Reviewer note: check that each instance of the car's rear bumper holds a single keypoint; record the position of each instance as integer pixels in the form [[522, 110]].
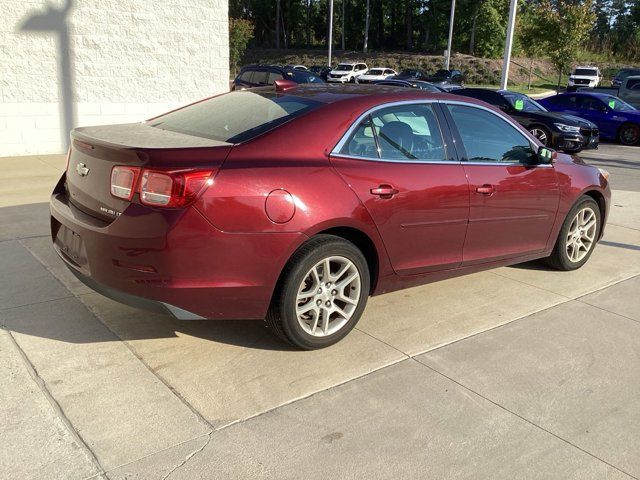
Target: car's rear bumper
[[170, 260]]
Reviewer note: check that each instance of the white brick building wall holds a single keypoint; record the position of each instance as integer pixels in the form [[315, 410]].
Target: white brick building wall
[[128, 60]]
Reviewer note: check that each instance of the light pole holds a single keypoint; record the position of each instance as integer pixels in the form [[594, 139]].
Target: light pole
[[507, 45], [448, 57], [330, 30]]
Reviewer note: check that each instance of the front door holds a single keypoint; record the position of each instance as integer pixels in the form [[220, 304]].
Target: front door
[[397, 163], [514, 199]]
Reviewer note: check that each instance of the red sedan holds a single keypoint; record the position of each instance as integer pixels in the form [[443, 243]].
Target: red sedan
[[294, 204]]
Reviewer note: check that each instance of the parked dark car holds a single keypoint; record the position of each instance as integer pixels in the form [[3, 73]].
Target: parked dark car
[[447, 79], [411, 74], [411, 84], [263, 75], [295, 203], [557, 130], [623, 74], [616, 119], [320, 70]]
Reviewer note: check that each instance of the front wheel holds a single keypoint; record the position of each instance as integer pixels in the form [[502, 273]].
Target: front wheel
[[541, 134], [629, 134], [578, 235], [322, 293]]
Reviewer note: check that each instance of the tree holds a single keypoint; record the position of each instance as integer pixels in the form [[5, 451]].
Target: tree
[[491, 28], [567, 25], [240, 32], [531, 35]]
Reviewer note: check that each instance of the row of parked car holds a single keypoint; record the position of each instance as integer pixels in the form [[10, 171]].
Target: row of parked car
[[261, 75], [570, 122]]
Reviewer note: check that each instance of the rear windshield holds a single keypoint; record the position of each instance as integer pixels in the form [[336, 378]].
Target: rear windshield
[[235, 117]]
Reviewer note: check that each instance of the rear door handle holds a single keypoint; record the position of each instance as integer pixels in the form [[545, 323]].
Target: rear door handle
[[486, 189], [384, 191]]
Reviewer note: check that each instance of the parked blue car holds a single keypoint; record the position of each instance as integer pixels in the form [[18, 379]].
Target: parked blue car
[[616, 119]]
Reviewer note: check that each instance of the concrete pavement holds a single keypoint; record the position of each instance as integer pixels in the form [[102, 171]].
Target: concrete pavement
[[519, 372]]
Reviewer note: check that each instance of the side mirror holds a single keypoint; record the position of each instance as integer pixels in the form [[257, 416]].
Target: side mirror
[[546, 155]]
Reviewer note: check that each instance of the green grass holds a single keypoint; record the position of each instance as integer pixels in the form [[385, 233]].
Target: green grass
[[518, 88]]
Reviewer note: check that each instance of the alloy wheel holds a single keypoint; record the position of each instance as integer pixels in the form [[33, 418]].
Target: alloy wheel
[[328, 296], [540, 134], [581, 235], [630, 135]]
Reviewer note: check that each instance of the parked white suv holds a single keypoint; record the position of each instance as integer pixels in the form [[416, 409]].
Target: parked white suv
[[375, 74], [346, 72], [585, 77]]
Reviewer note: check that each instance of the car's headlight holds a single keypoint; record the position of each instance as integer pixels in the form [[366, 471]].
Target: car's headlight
[[604, 173], [567, 128]]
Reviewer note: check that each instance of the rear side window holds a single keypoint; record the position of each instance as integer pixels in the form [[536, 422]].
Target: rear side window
[[273, 76], [236, 116], [488, 138], [401, 133], [260, 78]]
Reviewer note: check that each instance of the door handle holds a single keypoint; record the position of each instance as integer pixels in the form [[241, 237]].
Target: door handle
[[486, 189], [384, 191]]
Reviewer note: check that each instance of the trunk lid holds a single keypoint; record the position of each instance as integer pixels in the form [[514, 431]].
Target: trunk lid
[[96, 150]]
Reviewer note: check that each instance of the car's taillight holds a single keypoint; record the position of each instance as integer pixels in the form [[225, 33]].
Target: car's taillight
[[174, 188], [123, 181]]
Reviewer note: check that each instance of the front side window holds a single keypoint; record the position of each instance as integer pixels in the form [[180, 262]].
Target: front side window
[[634, 84], [401, 133], [488, 138]]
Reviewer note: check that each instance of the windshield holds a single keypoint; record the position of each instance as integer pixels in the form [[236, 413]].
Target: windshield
[[441, 74], [426, 86], [375, 71], [236, 116], [588, 72], [522, 103], [344, 66], [618, 105], [622, 74], [303, 76]]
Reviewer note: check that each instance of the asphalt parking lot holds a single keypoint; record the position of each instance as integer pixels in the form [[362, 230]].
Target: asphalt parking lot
[[519, 372]]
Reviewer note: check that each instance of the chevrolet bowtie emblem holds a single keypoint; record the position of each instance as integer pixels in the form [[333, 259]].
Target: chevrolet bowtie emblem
[[82, 170]]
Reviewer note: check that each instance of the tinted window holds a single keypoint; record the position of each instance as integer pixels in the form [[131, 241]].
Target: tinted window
[[362, 143], [589, 103], [273, 76], [344, 67], [246, 75], [375, 71], [235, 117], [523, 103], [488, 138], [361, 66], [260, 78], [408, 132], [586, 72], [634, 84]]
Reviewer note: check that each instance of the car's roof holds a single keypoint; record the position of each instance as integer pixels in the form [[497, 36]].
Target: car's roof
[[367, 94]]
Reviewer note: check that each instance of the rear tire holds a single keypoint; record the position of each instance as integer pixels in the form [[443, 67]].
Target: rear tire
[[315, 307], [578, 235], [629, 134]]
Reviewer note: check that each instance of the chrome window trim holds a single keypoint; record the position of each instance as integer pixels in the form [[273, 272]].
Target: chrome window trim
[[371, 159], [517, 126], [347, 135], [356, 124]]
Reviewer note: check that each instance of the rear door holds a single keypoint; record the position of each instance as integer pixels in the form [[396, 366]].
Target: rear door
[[514, 200], [403, 169]]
